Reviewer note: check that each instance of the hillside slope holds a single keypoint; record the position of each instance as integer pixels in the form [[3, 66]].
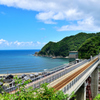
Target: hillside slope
[[62, 48], [90, 47]]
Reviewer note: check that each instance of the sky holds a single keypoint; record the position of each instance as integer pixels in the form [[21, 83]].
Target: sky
[[30, 24]]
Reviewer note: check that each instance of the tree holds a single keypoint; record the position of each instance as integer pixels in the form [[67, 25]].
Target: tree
[[97, 97], [62, 48], [42, 93], [90, 47]]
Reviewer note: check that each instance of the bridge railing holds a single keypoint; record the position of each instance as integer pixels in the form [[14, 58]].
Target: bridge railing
[[57, 75], [69, 85], [63, 66], [10, 89], [63, 72], [94, 57]]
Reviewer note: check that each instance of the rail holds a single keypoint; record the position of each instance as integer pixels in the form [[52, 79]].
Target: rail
[[64, 65], [57, 75], [69, 85]]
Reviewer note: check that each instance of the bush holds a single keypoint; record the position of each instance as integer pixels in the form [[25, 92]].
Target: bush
[[97, 97], [42, 93]]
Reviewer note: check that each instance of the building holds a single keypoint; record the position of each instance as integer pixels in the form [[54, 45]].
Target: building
[[73, 54]]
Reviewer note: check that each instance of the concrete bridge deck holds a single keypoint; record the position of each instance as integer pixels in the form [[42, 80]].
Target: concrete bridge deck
[[75, 79], [61, 82]]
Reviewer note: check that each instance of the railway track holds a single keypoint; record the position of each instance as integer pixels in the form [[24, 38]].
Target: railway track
[[71, 77]]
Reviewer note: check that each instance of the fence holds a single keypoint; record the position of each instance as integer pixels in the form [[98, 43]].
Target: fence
[[69, 85], [55, 76]]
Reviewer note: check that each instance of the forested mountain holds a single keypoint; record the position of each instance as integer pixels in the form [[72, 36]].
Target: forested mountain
[[90, 47], [62, 48]]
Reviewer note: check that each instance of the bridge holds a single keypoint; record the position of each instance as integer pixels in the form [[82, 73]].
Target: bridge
[[78, 80], [82, 78]]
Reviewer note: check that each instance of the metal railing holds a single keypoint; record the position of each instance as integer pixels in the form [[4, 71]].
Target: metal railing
[[69, 85], [64, 71], [63, 66]]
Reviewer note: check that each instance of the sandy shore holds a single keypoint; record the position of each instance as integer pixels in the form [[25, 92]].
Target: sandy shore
[[18, 74]]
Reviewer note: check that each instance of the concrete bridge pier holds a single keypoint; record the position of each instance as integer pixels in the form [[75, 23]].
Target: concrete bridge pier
[[94, 82], [81, 93]]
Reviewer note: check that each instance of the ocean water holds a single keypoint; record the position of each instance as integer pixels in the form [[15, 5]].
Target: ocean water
[[23, 61]]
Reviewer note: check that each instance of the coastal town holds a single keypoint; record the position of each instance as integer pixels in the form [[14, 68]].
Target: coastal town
[[49, 49]]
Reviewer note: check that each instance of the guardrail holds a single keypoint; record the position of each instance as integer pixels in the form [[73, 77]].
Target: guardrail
[[58, 75], [62, 66], [69, 85], [11, 89]]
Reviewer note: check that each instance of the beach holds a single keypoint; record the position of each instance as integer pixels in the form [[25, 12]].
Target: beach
[[18, 74]]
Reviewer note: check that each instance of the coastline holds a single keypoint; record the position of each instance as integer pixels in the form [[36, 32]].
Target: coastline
[[18, 74], [18, 62], [51, 56]]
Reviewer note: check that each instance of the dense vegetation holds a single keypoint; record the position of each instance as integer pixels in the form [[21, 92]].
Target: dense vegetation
[[62, 48], [97, 97], [90, 47], [43, 93]]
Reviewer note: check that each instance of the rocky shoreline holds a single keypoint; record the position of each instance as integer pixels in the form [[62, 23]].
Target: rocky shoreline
[[51, 56]]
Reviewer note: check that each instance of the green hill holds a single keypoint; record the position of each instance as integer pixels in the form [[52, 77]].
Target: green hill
[[90, 47], [62, 48]]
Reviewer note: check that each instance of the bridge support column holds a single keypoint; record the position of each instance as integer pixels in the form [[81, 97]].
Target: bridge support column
[[94, 83], [81, 93]]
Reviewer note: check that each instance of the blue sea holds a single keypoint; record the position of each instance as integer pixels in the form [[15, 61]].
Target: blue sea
[[23, 61]]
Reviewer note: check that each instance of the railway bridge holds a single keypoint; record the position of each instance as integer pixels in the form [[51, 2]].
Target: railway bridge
[[81, 77], [82, 80]]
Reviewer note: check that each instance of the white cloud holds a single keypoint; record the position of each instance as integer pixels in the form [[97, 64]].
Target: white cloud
[[5, 42], [37, 5], [42, 29], [84, 25], [50, 11], [20, 44], [3, 13], [46, 17], [38, 42], [2, 40], [23, 43]]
